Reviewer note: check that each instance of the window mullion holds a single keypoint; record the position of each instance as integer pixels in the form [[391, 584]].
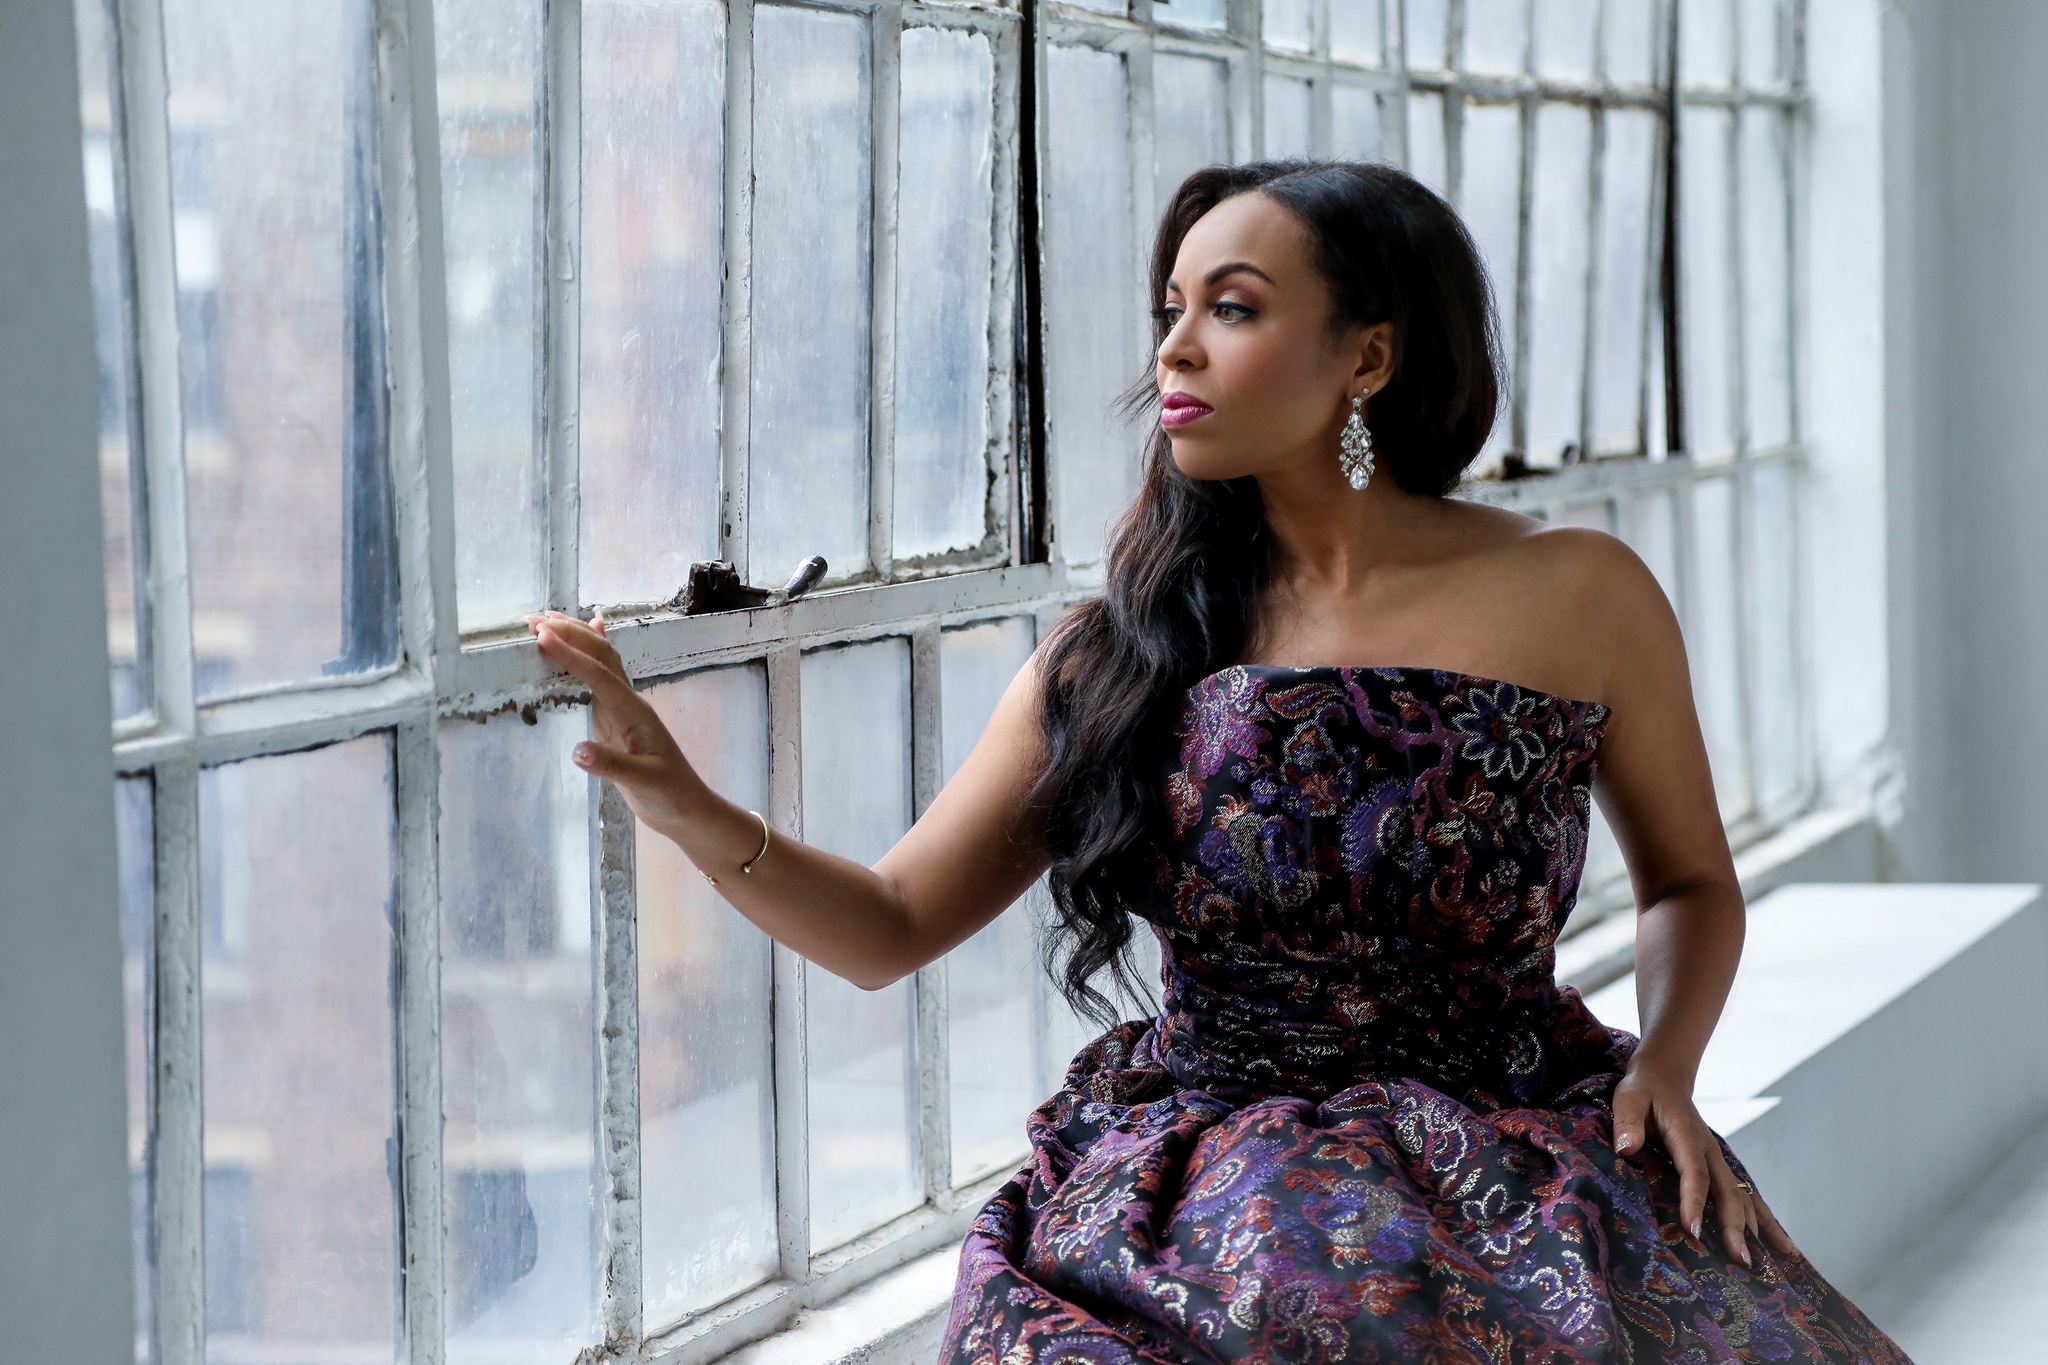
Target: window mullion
[[934, 1063], [561, 307], [146, 142], [419, 1038], [885, 87], [736, 343], [179, 1174], [617, 971], [792, 1062]]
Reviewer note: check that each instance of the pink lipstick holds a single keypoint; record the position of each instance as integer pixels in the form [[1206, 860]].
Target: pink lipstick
[[1179, 409]]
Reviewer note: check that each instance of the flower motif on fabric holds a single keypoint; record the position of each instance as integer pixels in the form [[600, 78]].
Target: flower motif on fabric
[[1500, 729]]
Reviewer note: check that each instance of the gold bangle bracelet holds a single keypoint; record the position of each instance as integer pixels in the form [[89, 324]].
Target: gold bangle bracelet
[[748, 865]]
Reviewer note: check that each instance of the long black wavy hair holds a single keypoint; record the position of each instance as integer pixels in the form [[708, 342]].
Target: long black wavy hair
[[1190, 560]]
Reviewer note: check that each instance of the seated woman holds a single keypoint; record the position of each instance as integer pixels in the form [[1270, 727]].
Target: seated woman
[[1331, 736]]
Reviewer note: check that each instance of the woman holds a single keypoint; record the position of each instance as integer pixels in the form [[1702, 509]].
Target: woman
[[1332, 735]]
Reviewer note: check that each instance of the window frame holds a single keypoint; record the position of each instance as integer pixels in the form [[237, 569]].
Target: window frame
[[442, 673]]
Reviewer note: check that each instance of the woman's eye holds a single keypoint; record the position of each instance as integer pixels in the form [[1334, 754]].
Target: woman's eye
[[1232, 312], [1167, 316]]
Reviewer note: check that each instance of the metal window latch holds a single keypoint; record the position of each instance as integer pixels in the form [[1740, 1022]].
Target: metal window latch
[[715, 586]]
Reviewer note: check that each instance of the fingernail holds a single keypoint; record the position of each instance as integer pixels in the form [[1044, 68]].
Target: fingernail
[[1696, 1229], [583, 754], [1743, 1254]]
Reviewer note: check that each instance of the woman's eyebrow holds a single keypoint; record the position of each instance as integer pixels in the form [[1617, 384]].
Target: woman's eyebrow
[[1229, 268]]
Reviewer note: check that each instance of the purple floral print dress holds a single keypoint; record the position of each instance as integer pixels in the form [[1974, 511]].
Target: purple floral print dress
[[1367, 1124]]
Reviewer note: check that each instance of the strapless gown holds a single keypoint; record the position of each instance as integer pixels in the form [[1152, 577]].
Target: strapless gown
[[1367, 1124]]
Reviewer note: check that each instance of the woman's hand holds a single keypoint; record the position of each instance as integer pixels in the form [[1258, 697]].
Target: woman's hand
[[628, 745], [1650, 1100]]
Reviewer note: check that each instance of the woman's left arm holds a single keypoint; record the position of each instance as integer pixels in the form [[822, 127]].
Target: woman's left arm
[[1658, 795]]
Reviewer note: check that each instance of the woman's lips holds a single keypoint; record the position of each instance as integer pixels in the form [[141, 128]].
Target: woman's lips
[[1179, 409]]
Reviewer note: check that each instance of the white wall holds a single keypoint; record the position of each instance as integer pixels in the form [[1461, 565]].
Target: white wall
[[64, 1260]]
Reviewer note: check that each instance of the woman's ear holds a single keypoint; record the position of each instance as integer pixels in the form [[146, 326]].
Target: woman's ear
[[1375, 355]]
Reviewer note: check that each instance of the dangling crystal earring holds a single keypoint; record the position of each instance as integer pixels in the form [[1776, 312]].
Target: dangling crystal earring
[[1355, 446]]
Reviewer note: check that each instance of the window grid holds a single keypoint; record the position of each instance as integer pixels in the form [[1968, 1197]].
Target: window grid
[[439, 677]]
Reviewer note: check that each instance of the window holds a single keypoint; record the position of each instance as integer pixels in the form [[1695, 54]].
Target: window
[[429, 1044]]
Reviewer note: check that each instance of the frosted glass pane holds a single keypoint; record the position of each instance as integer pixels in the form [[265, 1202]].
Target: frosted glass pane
[[1093, 296], [1706, 42], [1709, 388], [1557, 279], [1490, 200], [1656, 421], [707, 1075], [1764, 42], [1632, 30], [1621, 290], [1766, 279], [863, 1066], [1426, 142], [1594, 516], [653, 269], [1355, 31], [518, 1051], [1648, 525], [297, 982], [1711, 640], [1200, 14], [487, 78], [1190, 120], [1426, 34], [992, 978], [807, 486], [134, 842], [944, 233], [1354, 123], [280, 339], [1287, 24], [1604, 862], [1287, 116], [1496, 36], [121, 510], [1565, 37], [1774, 595], [1102, 6]]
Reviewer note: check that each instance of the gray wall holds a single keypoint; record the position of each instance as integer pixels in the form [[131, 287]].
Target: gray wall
[[64, 1259]]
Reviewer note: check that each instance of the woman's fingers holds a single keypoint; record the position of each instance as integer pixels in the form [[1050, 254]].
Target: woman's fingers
[[600, 667], [1731, 1208], [1631, 1114], [1694, 1181], [616, 765]]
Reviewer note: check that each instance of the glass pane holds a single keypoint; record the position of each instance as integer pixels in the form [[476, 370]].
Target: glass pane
[[1766, 279], [273, 187], [1565, 37], [991, 979], [1092, 295], [123, 528], [1496, 35], [1604, 862], [649, 410], [1709, 340], [518, 1055], [296, 988], [1491, 202], [863, 1081], [1102, 6], [1764, 42], [944, 228], [1647, 525], [1712, 641], [1706, 42], [1426, 142], [1202, 14], [1774, 591], [1621, 291], [707, 1073], [1631, 42], [135, 862], [1354, 123], [1557, 279], [807, 484], [1288, 107], [1355, 31], [487, 77], [1595, 516], [1190, 120], [1425, 34], [1286, 24]]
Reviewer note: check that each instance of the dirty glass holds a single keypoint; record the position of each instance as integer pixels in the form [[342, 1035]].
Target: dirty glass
[[1355, 31], [707, 1073], [280, 340], [1558, 252], [1631, 40], [487, 90], [296, 998], [1766, 279], [1190, 120], [991, 978], [1354, 123], [1565, 34], [945, 246], [1426, 142], [1198, 14], [135, 869], [863, 1062], [653, 273], [1496, 36], [1706, 42], [1622, 280], [807, 482], [1288, 106], [1490, 199], [1426, 34], [1712, 632], [1765, 42], [1709, 339], [1288, 24], [1774, 663], [1093, 297], [518, 1052]]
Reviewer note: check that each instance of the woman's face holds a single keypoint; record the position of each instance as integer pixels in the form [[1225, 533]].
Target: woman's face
[[1251, 378]]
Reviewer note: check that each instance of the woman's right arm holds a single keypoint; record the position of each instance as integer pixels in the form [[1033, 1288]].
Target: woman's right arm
[[971, 854]]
